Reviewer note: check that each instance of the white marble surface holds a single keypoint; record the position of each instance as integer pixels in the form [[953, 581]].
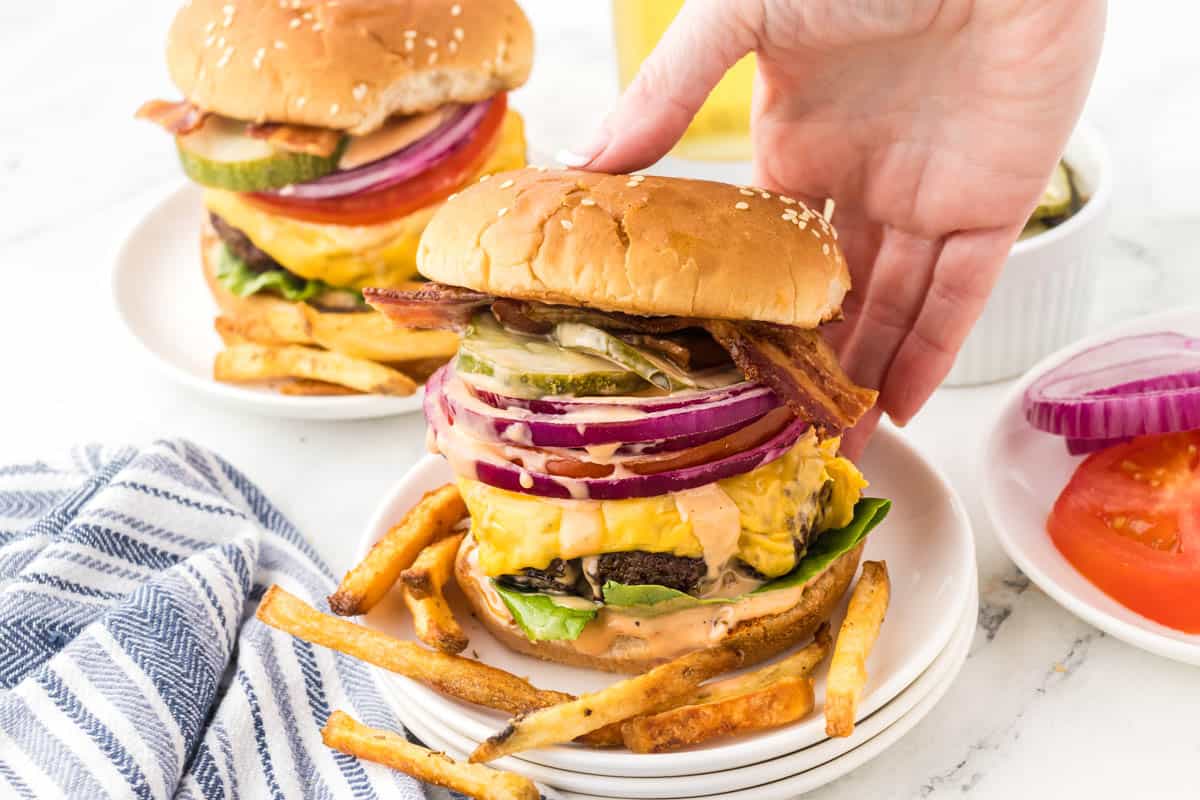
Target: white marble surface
[[1046, 706]]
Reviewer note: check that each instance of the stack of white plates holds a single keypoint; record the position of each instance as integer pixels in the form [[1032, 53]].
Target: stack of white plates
[[927, 544]]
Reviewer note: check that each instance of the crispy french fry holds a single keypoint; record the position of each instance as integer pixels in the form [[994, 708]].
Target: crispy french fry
[[779, 702], [798, 665], [660, 686], [455, 676], [241, 363], [342, 732], [372, 336], [432, 518], [422, 591], [300, 387], [848, 669], [255, 330]]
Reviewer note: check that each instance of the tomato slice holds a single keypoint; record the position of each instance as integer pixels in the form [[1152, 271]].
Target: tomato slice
[[1129, 520], [431, 186]]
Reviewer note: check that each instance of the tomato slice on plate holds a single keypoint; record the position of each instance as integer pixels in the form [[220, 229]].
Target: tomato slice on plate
[[431, 186], [1129, 520]]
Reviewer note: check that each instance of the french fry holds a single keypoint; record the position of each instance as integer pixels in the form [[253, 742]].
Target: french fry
[[455, 676], [661, 686], [300, 387], [848, 669], [255, 330], [373, 336], [779, 702], [240, 363], [432, 518], [345, 734], [422, 591], [798, 665]]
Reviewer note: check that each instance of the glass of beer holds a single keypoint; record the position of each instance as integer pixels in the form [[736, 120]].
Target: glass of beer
[[721, 130]]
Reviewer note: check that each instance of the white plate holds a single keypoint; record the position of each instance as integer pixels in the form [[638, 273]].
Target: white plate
[[926, 541], [161, 296], [944, 668], [1022, 472]]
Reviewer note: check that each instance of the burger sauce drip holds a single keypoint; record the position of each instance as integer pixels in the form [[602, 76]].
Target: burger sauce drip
[[716, 524]]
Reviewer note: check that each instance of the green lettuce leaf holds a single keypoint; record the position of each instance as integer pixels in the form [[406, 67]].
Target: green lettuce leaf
[[868, 513], [237, 276], [541, 618]]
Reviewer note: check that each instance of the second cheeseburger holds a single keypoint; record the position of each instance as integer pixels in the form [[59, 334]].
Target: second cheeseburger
[[642, 417]]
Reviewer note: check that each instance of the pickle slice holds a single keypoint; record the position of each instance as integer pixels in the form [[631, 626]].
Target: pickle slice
[[577, 336], [221, 155], [1056, 199], [532, 367]]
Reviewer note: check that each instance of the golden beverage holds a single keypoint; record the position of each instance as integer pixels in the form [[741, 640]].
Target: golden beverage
[[721, 130]]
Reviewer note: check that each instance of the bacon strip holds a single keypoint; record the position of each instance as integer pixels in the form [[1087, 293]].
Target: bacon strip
[[321, 142], [531, 317], [800, 367], [179, 118], [429, 305]]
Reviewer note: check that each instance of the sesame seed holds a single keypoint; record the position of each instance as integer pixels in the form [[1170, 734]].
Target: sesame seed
[[632, 184], [567, 224], [741, 205], [335, 108], [208, 42], [587, 201], [280, 44], [300, 101], [307, 16], [829, 206], [209, 27], [408, 44], [433, 57], [220, 41], [295, 23], [359, 91], [452, 195], [455, 10], [506, 184], [746, 192], [502, 212], [483, 178], [766, 195], [410, 34], [816, 233], [787, 201], [458, 34], [288, 190], [228, 54], [430, 41], [229, 9], [317, 27], [787, 216], [259, 55], [825, 248], [833, 230]]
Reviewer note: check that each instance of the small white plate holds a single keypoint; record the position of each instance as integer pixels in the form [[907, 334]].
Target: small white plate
[[1022, 472], [943, 670], [926, 541], [161, 296]]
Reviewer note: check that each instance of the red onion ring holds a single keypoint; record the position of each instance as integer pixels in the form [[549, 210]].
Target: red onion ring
[[1132, 386], [577, 430], [564, 405], [401, 165]]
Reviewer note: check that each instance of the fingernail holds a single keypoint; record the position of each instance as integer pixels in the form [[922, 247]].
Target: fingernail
[[582, 156]]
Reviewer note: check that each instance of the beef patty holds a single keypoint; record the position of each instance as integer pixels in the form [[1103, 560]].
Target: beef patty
[[240, 245]]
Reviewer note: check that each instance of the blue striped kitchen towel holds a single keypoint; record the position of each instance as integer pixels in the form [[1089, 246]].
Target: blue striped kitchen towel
[[131, 665]]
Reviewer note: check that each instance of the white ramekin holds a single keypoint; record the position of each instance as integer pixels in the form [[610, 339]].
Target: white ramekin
[[1043, 298]]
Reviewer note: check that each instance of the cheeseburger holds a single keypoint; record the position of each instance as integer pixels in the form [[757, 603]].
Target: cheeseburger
[[325, 134], [642, 417]]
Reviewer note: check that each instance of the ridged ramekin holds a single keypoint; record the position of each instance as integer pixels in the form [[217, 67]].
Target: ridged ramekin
[[1043, 299]]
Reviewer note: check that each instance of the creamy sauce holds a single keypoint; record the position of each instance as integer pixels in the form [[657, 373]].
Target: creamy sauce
[[602, 453], [662, 637], [581, 530], [716, 524]]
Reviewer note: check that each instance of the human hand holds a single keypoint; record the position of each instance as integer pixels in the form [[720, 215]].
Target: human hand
[[934, 125]]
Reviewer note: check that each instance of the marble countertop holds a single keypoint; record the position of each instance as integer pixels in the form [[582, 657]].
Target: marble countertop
[[1046, 705]]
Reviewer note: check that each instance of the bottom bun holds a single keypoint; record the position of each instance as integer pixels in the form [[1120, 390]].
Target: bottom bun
[[270, 319], [758, 638]]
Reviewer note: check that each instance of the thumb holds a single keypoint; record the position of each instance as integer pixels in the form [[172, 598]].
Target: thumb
[[706, 38]]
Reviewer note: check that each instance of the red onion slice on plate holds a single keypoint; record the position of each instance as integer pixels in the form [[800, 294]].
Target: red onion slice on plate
[[1128, 387]]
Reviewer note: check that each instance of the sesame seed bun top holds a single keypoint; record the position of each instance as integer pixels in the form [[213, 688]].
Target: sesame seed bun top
[[345, 64], [643, 245]]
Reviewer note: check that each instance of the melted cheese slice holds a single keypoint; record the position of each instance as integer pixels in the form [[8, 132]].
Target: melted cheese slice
[[517, 530], [353, 256]]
